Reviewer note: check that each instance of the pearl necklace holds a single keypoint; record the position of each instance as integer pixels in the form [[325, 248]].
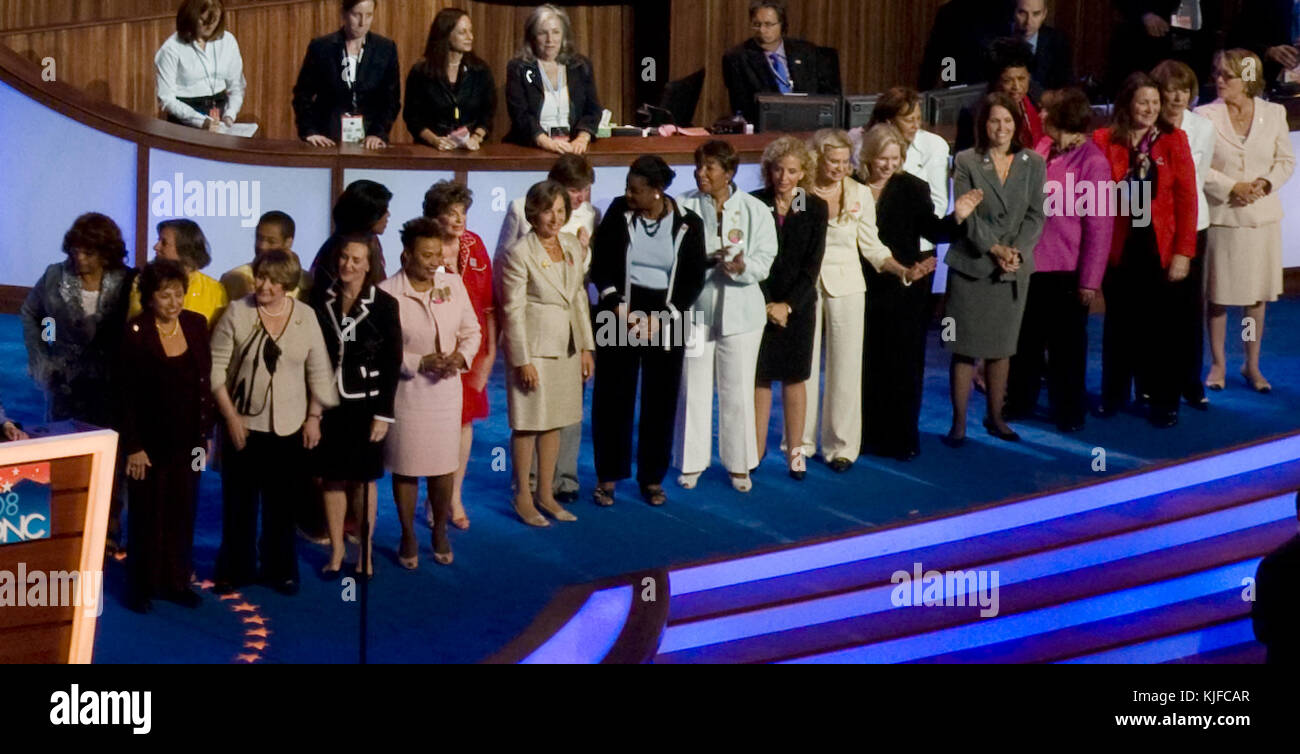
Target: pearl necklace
[[175, 329], [284, 304]]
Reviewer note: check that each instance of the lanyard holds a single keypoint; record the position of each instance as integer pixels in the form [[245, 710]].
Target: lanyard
[[203, 62], [352, 72]]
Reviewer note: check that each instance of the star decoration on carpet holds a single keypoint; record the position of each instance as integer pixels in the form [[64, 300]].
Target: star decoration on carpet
[[258, 645], [244, 607], [259, 620], [248, 658], [262, 632]]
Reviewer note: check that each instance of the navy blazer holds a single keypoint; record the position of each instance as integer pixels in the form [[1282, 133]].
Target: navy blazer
[[746, 73], [141, 381], [364, 345], [1053, 63], [321, 98], [793, 277], [434, 103], [524, 94]]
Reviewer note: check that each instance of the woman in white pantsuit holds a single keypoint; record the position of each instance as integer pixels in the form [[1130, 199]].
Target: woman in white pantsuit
[[729, 316], [1252, 159], [841, 301]]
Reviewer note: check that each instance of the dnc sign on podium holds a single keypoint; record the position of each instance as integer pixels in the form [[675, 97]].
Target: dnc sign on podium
[[24, 503]]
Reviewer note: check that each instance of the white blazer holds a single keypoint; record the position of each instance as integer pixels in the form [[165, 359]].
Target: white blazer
[[1266, 153], [1201, 137], [734, 304]]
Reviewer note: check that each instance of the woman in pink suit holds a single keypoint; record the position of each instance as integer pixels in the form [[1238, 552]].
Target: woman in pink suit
[[440, 336]]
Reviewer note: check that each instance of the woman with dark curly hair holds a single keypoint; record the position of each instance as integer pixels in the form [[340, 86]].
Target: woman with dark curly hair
[[166, 410], [463, 253], [73, 320]]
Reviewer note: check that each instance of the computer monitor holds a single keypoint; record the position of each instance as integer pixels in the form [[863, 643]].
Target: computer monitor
[[798, 112], [681, 97], [857, 109], [943, 106]]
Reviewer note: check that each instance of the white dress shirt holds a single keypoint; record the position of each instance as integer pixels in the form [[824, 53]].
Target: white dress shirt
[[927, 159], [1200, 134], [183, 70]]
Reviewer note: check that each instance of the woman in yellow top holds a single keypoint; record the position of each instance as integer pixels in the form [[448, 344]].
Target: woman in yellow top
[[183, 241]]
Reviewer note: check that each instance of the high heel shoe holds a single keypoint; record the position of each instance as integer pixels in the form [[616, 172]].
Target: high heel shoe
[[555, 510], [1260, 386], [529, 515], [441, 556], [409, 562], [992, 429], [798, 464]]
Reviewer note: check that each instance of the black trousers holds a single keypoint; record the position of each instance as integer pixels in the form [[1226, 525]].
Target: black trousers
[[269, 470], [893, 365], [613, 400], [1053, 343], [1139, 342], [1189, 298], [161, 527]]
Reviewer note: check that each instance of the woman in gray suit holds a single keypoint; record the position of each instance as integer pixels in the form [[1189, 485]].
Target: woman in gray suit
[[989, 268], [549, 344]]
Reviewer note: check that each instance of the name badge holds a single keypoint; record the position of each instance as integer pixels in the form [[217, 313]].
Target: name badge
[[1181, 22], [354, 129]]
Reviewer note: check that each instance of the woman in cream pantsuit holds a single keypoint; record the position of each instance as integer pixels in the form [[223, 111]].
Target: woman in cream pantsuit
[[1252, 159], [842, 301], [549, 345], [730, 314]]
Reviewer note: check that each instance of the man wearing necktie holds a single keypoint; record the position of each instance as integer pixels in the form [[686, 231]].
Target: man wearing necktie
[[771, 62]]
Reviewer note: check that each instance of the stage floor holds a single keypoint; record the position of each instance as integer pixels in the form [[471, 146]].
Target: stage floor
[[505, 572]]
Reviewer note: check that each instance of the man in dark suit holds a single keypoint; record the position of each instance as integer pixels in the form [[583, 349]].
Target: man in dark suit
[[962, 30], [1053, 67], [771, 62], [1276, 611], [1271, 30], [1156, 30]]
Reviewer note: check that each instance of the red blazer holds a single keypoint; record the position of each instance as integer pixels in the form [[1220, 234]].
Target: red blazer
[[1173, 210]]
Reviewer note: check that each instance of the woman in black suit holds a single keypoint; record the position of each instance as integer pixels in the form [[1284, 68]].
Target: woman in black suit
[[898, 307], [450, 94], [550, 89], [351, 72], [363, 335], [165, 406], [790, 289]]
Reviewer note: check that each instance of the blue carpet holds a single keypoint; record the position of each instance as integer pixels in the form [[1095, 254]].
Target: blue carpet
[[505, 572]]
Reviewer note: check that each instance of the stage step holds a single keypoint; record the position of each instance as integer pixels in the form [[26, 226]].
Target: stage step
[[1144, 579]]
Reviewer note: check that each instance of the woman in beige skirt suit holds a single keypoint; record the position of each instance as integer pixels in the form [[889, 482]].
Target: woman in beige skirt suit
[[1252, 159], [549, 344]]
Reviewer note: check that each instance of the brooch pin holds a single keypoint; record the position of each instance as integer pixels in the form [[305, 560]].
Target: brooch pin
[[736, 235]]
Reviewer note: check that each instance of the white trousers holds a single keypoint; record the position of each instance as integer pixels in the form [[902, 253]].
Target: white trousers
[[734, 360], [841, 325]]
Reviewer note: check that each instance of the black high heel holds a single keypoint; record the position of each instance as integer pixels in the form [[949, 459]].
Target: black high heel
[[992, 429]]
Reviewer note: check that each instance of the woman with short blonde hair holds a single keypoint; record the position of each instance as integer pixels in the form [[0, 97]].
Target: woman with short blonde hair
[[1252, 159]]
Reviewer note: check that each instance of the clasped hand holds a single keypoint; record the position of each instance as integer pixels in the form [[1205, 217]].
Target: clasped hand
[[1008, 258], [442, 365], [1246, 193]]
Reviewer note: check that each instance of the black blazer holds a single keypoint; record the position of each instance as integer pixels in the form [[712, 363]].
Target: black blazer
[[746, 73], [905, 215], [321, 98], [432, 102], [1053, 64], [1259, 25], [365, 346], [801, 246], [1275, 615], [962, 30], [524, 91], [609, 257], [140, 381]]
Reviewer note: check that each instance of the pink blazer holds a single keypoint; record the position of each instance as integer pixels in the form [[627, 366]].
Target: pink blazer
[[446, 326]]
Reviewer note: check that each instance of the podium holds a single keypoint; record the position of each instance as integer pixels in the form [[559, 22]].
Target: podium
[[55, 491]]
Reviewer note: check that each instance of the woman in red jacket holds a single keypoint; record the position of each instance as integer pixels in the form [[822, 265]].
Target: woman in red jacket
[[1152, 247]]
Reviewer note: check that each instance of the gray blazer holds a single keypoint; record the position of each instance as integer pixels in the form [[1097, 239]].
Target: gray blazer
[[1011, 214]]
